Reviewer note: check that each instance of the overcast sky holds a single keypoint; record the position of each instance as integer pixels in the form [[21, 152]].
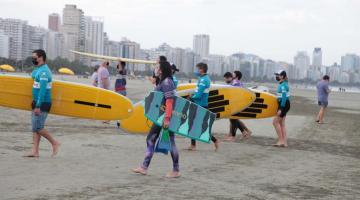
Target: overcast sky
[[274, 29]]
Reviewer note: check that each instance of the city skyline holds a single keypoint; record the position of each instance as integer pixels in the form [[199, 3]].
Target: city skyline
[[134, 21], [77, 29]]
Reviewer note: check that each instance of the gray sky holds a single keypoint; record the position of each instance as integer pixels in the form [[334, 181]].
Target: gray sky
[[273, 29]]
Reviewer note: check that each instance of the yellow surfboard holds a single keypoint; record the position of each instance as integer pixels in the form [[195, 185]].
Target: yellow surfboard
[[137, 122], [68, 99], [264, 106], [223, 101]]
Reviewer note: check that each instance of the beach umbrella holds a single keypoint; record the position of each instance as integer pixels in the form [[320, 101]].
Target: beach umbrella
[[67, 71], [7, 68]]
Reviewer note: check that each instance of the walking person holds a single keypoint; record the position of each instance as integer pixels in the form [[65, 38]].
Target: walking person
[[323, 92], [234, 80], [41, 104], [283, 97], [167, 86], [201, 95]]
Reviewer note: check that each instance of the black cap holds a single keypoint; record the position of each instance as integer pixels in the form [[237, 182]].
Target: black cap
[[173, 67], [281, 73]]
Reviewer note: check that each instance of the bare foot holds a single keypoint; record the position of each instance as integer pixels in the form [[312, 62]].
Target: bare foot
[[139, 170], [55, 148], [32, 155], [248, 133], [173, 174], [216, 145], [191, 148], [229, 138], [243, 135]]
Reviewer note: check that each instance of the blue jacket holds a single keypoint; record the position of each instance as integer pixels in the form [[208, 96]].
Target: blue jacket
[[201, 94], [176, 82], [283, 93], [41, 91]]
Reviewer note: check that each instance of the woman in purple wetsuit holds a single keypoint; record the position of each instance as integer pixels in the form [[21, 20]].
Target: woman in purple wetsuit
[[167, 86]]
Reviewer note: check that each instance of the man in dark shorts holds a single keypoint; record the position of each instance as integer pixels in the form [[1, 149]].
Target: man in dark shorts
[[323, 91]]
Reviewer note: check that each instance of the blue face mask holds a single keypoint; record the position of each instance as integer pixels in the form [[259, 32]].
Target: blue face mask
[[197, 73]]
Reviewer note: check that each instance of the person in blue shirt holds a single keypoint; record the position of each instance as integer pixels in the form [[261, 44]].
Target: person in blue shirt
[[41, 104], [201, 95], [283, 97], [323, 91], [174, 69]]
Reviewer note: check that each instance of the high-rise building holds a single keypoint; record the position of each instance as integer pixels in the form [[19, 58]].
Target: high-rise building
[[317, 58], [201, 45], [4, 45], [54, 22], [94, 35], [131, 50], [54, 45], [37, 38], [270, 69], [177, 56], [73, 29], [215, 64], [302, 63], [189, 62], [18, 32], [350, 62]]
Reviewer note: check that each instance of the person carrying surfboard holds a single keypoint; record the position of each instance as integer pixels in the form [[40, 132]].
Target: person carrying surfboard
[[174, 69], [283, 97], [155, 79], [41, 104], [234, 80], [120, 82], [201, 95], [167, 86]]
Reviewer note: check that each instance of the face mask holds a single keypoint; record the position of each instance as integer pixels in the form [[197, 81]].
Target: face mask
[[34, 61], [228, 82], [197, 73], [277, 78]]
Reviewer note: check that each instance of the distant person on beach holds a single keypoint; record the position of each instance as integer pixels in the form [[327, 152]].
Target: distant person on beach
[[283, 97], [104, 79], [104, 76], [323, 91], [41, 104], [234, 80], [120, 83], [94, 77], [167, 86], [174, 69], [201, 95]]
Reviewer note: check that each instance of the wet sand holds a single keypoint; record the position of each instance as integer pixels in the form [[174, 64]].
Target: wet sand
[[94, 161]]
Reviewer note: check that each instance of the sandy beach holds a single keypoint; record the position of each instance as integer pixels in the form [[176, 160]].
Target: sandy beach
[[94, 162]]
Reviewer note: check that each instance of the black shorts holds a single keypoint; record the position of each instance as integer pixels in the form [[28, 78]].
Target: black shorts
[[285, 109]]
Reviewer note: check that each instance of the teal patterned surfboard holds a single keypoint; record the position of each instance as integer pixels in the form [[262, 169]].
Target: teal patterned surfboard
[[187, 119]]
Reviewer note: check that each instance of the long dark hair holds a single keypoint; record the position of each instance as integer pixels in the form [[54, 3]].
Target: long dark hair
[[166, 72]]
